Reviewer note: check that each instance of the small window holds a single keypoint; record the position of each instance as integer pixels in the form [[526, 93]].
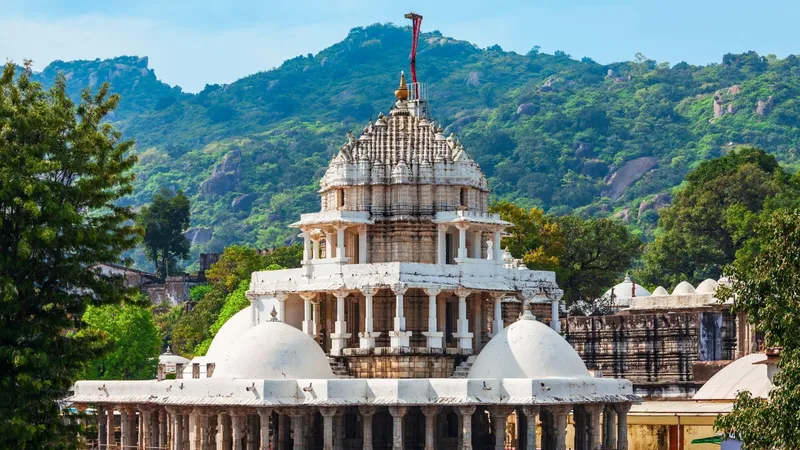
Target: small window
[[464, 196], [340, 198]]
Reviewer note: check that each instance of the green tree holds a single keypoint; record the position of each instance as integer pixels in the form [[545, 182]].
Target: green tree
[[163, 222], [63, 168], [765, 288], [535, 236], [712, 217], [135, 338], [596, 253]]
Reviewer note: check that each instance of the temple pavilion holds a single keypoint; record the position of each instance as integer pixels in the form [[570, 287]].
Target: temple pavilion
[[407, 327]]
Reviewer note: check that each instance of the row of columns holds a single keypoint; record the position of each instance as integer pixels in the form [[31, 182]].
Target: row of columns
[[228, 429], [311, 244], [494, 251]]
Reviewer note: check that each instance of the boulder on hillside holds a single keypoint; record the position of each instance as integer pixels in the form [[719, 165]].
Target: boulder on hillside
[[243, 202], [525, 109], [583, 150], [624, 215], [764, 107], [225, 175], [198, 235], [656, 203], [628, 174], [472, 79], [460, 122]]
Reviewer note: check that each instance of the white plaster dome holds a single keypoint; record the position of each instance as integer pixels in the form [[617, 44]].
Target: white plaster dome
[[274, 351], [708, 286], [683, 288], [228, 334], [528, 349], [748, 373], [626, 289]]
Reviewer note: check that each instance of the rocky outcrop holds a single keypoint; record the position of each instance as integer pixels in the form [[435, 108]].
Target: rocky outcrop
[[225, 175], [583, 150], [243, 202], [550, 83], [764, 107], [656, 203], [460, 122], [594, 168], [624, 215], [472, 79], [723, 99], [525, 109], [198, 235], [627, 175]]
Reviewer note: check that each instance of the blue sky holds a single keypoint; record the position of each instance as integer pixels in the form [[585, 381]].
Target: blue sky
[[191, 43]]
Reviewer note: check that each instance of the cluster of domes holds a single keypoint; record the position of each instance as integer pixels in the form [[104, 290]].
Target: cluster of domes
[[708, 286]]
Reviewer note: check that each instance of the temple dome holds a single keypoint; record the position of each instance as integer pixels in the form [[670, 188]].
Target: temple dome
[[748, 373], [708, 286], [626, 288], [272, 351], [231, 331], [660, 292], [528, 349], [683, 288]]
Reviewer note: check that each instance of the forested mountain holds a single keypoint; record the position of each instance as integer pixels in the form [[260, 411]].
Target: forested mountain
[[548, 130]]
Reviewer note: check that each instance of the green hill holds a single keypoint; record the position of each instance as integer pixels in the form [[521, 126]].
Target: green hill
[[548, 130]]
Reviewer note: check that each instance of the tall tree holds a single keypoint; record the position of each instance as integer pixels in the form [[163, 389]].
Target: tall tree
[[711, 217], [765, 288], [136, 342], [163, 222], [62, 169], [535, 236]]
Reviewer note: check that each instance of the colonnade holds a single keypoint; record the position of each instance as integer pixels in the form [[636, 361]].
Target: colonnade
[[312, 428]]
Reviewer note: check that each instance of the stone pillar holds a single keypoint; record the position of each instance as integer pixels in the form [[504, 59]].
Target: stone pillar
[[462, 325], [610, 425], [399, 337], [362, 244], [162, 428], [314, 247], [367, 412], [434, 336], [338, 430], [205, 429], [340, 335], [223, 433], [367, 337], [282, 429], [102, 434], [306, 246], [187, 430], [397, 413], [593, 411], [560, 414], [237, 428], [327, 427], [498, 251], [430, 413], [125, 426], [499, 418], [111, 437], [281, 298], [264, 415], [530, 426], [329, 249], [252, 428], [340, 242], [622, 427], [475, 243], [465, 414], [308, 322], [555, 322], [497, 323], [462, 240], [441, 243], [297, 429]]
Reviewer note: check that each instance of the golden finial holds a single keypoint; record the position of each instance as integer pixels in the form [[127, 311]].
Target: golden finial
[[402, 92]]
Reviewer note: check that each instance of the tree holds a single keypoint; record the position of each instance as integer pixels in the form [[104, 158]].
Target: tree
[[135, 338], [765, 288], [63, 168], [535, 236], [596, 253], [163, 222], [712, 217]]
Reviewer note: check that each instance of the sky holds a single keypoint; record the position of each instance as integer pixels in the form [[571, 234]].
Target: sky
[[199, 42]]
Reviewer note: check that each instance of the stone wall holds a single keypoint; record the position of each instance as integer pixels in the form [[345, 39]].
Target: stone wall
[[387, 362]]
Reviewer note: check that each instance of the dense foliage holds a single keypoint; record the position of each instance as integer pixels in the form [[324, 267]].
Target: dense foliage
[[765, 288], [163, 221], [588, 255], [135, 339], [712, 217], [228, 280], [62, 170], [549, 131]]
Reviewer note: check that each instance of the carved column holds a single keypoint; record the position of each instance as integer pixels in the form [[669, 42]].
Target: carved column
[[340, 335], [362, 244], [102, 434], [308, 321], [125, 425], [610, 423], [593, 411], [329, 248], [367, 337], [237, 427], [223, 431], [462, 241], [434, 336], [298, 420], [441, 243], [264, 415], [111, 438], [530, 424], [430, 413], [306, 246], [367, 413], [476, 245], [327, 427], [462, 324], [465, 413], [281, 298], [498, 251], [555, 322], [499, 418], [315, 246], [340, 253], [397, 413], [399, 337], [622, 428], [560, 414], [497, 323]]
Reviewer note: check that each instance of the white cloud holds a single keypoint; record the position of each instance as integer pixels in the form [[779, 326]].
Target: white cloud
[[187, 57]]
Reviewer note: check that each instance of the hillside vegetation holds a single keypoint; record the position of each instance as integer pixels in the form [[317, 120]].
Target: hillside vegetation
[[548, 130]]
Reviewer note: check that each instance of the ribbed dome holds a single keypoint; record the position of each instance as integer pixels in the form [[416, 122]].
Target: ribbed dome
[[273, 351], [528, 349], [232, 330]]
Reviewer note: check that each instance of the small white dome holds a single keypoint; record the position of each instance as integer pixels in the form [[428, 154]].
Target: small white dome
[[708, 286], [528, 349], [232, 330], [748, 373], [683, 288], [170, 359], [626, 290], [660, 291], [272, 351]]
